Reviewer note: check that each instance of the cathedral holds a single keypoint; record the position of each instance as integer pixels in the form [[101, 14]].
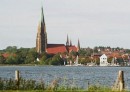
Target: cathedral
[[43, 46]]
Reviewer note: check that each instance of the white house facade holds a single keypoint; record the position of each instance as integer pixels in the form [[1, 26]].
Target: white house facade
[[103, 60]]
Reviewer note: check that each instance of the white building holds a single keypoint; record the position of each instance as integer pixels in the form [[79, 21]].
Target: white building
[[103, 60]]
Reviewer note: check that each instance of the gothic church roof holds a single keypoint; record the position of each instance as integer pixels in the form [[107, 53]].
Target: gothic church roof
[[56, 48]]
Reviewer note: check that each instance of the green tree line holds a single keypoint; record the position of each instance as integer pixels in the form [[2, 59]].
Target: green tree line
[[13, 55]]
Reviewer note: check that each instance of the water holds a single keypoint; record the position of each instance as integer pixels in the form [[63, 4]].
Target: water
[[72, 76]]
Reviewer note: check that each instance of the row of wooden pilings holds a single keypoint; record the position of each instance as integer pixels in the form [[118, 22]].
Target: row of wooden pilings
[[118, 86]]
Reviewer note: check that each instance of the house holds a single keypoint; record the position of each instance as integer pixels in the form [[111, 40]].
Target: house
[[103, 60]]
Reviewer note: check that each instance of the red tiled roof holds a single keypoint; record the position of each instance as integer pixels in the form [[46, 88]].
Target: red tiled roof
[[71, 48], [6, 55], [56, 48], [115, 54]]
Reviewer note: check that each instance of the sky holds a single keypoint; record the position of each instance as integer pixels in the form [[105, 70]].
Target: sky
[[93, 22]]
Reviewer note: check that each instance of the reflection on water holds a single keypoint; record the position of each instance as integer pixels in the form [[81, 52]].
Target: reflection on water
[[74, 76]]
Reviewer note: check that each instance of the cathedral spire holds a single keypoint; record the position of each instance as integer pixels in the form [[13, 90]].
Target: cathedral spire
[[67, 42], [70, 43], [78, 45], [42, 16], [41, 40]]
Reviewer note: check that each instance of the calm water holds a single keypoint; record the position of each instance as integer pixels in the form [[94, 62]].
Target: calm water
[[73, 76]]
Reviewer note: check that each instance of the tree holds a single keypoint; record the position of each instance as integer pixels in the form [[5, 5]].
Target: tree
[[48, 61], [21, 55], [95, 49], [43, 59], [2, 59], [11, 49], [57, 60], [73, 53], [85, 52], [11, 59], [31, 56]]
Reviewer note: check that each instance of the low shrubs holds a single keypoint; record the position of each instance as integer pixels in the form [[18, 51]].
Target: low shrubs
[[11, 85]]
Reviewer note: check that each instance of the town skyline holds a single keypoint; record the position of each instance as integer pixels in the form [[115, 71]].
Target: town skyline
[[95, 23]]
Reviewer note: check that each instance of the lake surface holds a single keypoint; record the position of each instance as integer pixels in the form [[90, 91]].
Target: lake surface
[[72, 76]]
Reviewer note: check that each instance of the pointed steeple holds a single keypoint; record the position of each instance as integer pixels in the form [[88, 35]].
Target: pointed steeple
[[67, 42], [78, 45], [42, 16], [41, 40]]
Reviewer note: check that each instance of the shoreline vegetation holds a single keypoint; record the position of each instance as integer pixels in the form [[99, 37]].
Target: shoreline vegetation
[[11, 85], [28, 85]]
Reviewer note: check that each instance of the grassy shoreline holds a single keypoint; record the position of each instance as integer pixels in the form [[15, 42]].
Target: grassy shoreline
[[11, 85]]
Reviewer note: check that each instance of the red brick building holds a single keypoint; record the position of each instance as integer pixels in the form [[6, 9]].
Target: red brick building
[[43, 46]]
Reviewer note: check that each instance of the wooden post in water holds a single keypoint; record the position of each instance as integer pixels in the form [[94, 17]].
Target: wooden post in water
[[17, 78], [119, 84], [121, 80]]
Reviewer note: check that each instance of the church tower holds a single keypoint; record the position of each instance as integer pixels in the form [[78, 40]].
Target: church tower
[[70, 43], [41, 39], [78, 46], [67, 42]]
